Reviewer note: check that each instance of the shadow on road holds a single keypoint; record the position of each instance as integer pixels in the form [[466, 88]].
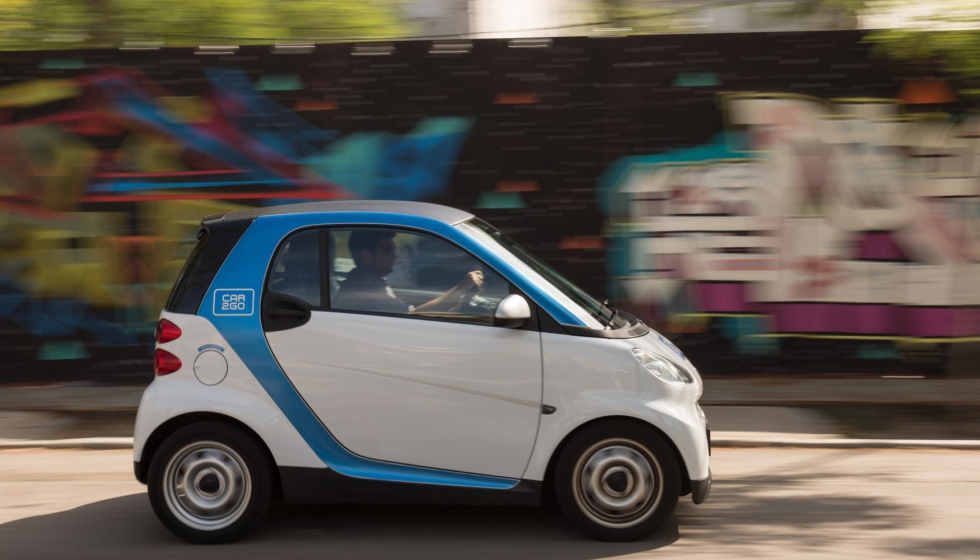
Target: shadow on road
[[946, 549], [126, 527], [798, 509], [780, 510]]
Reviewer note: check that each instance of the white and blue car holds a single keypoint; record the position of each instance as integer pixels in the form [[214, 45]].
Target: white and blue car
[[398, 352]]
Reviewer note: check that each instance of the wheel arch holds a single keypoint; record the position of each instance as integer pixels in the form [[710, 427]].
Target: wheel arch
[[171, 426], [548, 484]]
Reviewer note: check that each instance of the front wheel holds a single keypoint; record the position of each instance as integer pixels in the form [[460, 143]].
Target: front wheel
[[210, 483], [617, 480]]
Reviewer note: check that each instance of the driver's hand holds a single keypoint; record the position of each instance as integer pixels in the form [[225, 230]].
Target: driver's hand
[[472, 283]]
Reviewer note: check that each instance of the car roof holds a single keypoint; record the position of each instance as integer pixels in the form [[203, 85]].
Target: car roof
[[445, 214]]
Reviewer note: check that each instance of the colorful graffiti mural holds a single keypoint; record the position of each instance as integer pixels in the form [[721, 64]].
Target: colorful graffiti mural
[[847, 219], [809, 229], [104, 179]]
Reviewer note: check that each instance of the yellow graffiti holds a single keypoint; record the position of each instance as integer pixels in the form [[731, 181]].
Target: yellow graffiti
[[92, 257], [70, 259], [189, 109], [49, 164], [37, 92], [150, 153]]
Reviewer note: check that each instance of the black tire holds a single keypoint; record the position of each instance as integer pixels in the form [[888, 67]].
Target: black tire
[[215, 446], [611, 449]]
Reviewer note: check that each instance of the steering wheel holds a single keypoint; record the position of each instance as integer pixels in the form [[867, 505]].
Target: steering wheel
[[479, 302]]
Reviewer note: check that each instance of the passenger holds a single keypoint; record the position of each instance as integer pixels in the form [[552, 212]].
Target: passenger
[[366, 287]]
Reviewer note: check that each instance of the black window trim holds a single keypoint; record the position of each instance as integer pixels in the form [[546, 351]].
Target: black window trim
[[321, 249], [541, 320], [325, 267], [532, 324]]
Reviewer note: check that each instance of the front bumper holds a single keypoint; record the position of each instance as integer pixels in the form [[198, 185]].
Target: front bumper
[[700, 489]]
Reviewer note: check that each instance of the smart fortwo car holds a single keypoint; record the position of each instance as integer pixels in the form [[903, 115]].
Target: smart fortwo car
[[397, 352]]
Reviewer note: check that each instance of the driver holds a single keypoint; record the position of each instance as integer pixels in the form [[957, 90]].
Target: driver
[[367, 289]]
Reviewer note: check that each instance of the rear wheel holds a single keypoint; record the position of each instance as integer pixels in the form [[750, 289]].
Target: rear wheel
[[210, 483], [617, 480]]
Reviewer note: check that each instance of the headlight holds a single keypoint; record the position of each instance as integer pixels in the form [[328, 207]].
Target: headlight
[[661, 367]]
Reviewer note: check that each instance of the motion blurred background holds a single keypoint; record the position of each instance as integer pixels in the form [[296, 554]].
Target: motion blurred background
[[784, 188]]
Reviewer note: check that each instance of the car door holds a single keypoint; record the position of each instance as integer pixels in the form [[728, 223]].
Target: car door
[[392, 376]]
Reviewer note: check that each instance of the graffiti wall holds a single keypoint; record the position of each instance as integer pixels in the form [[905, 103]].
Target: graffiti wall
[[105, 175], [765, 211], [835, 220]]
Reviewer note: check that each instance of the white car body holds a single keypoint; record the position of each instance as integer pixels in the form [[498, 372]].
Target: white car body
[[431, 403]]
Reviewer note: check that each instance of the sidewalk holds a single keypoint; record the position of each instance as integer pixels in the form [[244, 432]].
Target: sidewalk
[[742, 413], [790, 391], [784, 391], [71, 399], [731, 427]]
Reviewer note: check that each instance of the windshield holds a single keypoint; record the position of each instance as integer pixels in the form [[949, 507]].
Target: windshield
[[591, 306]]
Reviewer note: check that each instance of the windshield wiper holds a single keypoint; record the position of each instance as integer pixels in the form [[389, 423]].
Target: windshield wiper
[[613, 316], [612, 313]]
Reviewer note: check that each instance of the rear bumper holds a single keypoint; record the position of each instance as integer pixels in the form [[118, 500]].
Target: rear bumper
[[700, 489]]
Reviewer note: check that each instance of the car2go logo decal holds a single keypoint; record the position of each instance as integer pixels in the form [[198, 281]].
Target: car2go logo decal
[[235, 301]]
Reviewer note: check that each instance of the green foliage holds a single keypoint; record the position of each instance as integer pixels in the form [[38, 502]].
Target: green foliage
[[949, 36], [810, 7], [946, 32], [667, 16], [958, 52], [648, 16], [46, 24]]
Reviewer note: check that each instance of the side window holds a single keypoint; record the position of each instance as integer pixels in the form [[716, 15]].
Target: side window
[[389, 270], [296, 267]]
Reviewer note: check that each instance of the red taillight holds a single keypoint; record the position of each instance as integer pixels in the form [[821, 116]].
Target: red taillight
[[164, 362], [167, 331]]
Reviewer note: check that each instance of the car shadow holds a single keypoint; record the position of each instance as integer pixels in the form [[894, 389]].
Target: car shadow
[[809, 508], [938, 548], [126, 527]]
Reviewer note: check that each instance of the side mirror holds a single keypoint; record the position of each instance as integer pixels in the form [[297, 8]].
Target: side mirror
[[512, 312]]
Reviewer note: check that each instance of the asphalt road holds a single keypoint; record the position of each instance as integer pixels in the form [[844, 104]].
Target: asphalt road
[[765, 503]]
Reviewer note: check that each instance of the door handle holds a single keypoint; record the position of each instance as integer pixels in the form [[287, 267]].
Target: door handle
[[281, 312]]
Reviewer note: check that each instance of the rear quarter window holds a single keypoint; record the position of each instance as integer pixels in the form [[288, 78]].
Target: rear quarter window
[[216, 240]]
